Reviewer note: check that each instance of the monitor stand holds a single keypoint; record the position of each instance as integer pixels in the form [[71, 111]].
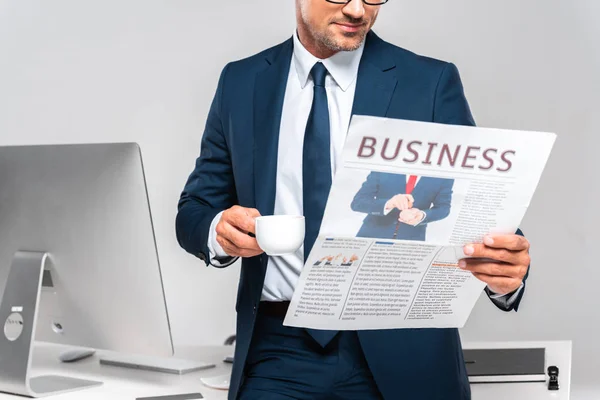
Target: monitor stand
[[18, 317]]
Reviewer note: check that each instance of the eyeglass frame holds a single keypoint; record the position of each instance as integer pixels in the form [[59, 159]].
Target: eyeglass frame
[[380, 3]]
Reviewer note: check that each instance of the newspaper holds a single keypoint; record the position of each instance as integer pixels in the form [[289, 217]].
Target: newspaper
[[405, 200]]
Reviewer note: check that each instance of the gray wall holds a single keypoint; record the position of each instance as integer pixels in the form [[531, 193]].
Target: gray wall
[[115, 70]]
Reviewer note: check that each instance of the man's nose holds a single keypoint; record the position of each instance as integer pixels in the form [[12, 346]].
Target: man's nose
[[354, 9]]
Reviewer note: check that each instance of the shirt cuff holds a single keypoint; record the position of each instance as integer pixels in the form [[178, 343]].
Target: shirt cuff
[[505, 300], [424, 217], [218, 256]]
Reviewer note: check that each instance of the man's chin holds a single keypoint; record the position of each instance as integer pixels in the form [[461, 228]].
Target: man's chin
[[349, 41]]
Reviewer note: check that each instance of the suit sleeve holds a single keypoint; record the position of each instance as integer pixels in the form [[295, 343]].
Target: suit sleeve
[[366, 199], [210, 188], [451, 107], [441, 203]]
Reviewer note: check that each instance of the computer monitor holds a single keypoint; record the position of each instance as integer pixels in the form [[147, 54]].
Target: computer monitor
[[79, 258]]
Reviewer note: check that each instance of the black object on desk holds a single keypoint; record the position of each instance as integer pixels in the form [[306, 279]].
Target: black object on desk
[[553, 382], [505, 365]]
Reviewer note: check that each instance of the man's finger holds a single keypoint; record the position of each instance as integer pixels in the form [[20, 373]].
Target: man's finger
[[253, 212], [243, 219], [490, 268], [509, 242], [229, 248], [250, 223], [234, 251], [500, 254], [239, 239], [403, 203]]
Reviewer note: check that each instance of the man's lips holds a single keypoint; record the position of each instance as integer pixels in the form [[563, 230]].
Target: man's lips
[[349, 27]]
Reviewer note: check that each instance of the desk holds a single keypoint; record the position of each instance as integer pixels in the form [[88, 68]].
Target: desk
[[127, 384]]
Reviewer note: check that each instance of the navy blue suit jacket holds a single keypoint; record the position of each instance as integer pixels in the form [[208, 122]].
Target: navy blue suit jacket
[[237, 166], [431, 195]]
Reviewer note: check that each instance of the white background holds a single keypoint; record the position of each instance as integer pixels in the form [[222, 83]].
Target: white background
[[122, 70]]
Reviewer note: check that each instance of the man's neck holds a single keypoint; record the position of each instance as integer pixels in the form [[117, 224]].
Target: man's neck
[[312, 45]]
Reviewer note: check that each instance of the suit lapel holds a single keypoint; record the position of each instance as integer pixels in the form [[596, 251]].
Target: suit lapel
[[269, 93], [376, 80]]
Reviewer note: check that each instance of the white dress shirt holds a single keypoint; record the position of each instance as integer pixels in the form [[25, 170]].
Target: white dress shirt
[[283, 271]]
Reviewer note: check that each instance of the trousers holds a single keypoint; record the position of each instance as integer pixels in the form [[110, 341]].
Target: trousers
[[287, 363]]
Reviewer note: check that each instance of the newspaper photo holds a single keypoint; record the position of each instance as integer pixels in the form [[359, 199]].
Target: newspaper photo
[[404, 201]]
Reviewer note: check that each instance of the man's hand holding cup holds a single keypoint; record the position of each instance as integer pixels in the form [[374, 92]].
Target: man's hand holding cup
[[243, 232], [233, 232]]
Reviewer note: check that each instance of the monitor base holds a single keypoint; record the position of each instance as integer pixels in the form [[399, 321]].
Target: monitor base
[[49, 385], [18, 316]]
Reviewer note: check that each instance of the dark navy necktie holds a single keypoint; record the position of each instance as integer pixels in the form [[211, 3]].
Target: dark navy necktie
[[316, 172]]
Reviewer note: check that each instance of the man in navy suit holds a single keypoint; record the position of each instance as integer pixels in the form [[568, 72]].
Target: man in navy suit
[[400, 206], [274, 134]]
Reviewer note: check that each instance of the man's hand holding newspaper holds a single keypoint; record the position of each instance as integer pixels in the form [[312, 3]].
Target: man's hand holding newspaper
[[501, 261]]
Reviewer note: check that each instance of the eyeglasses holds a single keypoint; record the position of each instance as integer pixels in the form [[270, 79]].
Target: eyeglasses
[[367, 2]]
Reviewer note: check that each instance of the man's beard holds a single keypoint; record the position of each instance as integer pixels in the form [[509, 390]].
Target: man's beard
[[332, 44]]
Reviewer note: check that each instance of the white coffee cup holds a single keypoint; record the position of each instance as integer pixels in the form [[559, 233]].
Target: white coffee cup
[[278, 235]]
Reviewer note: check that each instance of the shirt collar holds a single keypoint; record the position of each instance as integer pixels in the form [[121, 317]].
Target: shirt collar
[[342, 66]]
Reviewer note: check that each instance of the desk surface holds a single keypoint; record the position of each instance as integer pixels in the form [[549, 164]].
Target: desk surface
[[128, 384]]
